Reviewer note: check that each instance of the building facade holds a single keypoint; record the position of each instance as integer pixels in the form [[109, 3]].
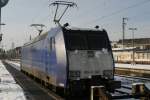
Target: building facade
[[139, 54]]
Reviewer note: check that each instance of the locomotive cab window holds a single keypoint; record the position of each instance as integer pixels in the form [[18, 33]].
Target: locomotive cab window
[[97, 41], [86, 40], [76, 42]]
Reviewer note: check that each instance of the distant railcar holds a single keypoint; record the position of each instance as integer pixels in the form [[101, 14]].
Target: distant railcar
[[126, 56], [70, 60]]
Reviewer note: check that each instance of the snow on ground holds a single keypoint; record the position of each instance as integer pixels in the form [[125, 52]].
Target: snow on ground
[[148, 85], [14, 64], [127, 82], [135, 66], [9, 89]]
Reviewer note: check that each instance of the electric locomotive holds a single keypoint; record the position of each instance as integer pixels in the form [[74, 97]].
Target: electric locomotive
[[70, 60]]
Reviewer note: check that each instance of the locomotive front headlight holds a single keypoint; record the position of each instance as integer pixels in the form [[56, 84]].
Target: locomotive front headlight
[[74, 73], [89, 77]]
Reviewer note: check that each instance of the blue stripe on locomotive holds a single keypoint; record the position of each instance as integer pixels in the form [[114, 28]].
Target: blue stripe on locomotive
[[37, 55]]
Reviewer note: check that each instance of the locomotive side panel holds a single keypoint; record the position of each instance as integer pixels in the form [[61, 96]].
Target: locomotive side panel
[[56, 59], [46, 58], [61, 60], [33, 61]]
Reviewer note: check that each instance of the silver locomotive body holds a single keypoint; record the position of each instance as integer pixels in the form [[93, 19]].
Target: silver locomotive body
[[71, 60]]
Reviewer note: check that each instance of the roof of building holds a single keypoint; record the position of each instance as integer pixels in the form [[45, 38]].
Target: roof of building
[[136, 41]]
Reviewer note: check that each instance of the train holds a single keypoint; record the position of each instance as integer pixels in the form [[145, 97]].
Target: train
[[141, 56], [70, 60]]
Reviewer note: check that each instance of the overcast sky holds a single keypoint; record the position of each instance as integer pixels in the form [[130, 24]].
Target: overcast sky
[[18, 15]]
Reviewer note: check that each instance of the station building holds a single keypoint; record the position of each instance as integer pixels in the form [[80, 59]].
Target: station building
[[140, 53]]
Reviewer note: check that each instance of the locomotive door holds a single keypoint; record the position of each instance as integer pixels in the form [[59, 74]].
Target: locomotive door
[[50, 46], [47, 58]]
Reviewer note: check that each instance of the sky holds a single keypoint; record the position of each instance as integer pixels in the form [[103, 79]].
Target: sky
[[18, 15]]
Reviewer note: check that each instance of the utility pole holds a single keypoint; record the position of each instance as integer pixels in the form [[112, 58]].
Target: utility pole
[[2, 4], [133, 58], [30, 37], [123, 30], [12, 45]]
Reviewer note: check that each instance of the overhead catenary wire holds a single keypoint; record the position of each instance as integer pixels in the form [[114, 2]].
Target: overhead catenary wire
[[36, 15], [116, 12], [86, 11], [108, 15], [143, 13]]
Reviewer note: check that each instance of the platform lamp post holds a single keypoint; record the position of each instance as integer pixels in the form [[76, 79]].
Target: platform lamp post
[[2, 4], [133, 29]]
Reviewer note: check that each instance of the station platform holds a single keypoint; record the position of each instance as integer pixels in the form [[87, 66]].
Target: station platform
[[139, 70], [30, 89], [9, 88]]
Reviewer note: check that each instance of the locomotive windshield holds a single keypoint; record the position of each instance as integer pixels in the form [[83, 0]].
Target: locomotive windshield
[[86, 40]]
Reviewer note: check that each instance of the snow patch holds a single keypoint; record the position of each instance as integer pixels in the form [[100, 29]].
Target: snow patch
[[9, 89], [133, 66]]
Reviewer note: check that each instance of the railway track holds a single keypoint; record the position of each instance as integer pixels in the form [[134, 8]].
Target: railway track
[[134, 77], [50, 95], [32, 90], [126, 87], [124, 91]]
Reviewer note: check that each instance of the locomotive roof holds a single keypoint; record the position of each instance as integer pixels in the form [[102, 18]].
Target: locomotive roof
[[83, 29], [53, 31], [40, 37]]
